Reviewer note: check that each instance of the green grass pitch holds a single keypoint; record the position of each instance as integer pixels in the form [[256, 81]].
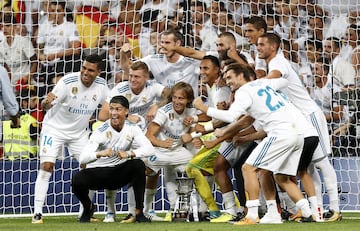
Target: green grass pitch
[[350, 222]]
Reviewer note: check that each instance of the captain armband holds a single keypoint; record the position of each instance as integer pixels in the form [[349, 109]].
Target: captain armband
[[195, 118]]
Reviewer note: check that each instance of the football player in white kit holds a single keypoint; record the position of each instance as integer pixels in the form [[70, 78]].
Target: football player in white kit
[[70, 105], [280, 151], [168, 133], [112, 159], [169, 67], [279, 67], [145, 97]]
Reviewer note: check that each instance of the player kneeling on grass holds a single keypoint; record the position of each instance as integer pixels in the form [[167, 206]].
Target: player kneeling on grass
[[112, 160]]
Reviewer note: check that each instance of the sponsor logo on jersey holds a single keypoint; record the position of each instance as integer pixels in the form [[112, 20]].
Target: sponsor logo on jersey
[[128, 138], [152, 158]]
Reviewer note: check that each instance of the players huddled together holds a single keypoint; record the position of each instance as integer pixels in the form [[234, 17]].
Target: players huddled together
[[196, 114]]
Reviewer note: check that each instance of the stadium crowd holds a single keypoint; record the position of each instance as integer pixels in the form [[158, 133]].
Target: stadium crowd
[[185, 69]]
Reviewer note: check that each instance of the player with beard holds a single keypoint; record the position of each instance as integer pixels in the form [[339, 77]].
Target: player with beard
[[69, 107], [169, 67], [226, 49]]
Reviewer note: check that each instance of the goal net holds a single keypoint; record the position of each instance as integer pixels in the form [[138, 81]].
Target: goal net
[[31, 50]]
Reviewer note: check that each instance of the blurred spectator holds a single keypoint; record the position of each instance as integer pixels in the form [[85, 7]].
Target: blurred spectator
[[313, 50], [16, 7], [226, 24], [240, 11], [270, 17], [151, 25], [8, 100], [29, 103], [323, 95], [335, 112], [198, 18], [351, 50], [59, 48], [90, 14], [209, 32], [351, 42], [116, 60], [129, 24], [341, 71], [22, 142], [17, 53], [290, 54], [287, 23]]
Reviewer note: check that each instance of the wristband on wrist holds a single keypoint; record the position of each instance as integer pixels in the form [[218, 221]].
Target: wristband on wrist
[[209, 127], [195, 134], [128, 155], [195, 118]]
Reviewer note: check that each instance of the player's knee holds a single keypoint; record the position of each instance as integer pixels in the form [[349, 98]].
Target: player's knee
[[247, 168], [221, 164]]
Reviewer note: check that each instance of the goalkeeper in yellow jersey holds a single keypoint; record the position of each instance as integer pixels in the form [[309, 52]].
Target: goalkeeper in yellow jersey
[[201, 167]]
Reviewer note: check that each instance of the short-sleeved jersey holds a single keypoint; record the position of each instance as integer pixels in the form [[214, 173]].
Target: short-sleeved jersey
[[75, 104], [270, 109], [295, 91], [130, 138], [342, 72], [57, 38], [217, 94], [168, 74], [171, 123], [322, 97], [140, 103], [17, 56]]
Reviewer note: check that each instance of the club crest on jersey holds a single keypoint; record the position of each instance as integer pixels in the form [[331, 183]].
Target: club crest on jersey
[[171, 116], [109, 135], [128, 96], [44, 150], [144, 100], [128, 138], [74, 91], [94, 98]]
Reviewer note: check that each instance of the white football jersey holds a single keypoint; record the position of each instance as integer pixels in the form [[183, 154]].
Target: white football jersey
[[270, 109], [168, 74], [296, 91], [217, 94], [171, 123], [130, 138], [57, 38], [140, 103], [17, 56], [74, 104]]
